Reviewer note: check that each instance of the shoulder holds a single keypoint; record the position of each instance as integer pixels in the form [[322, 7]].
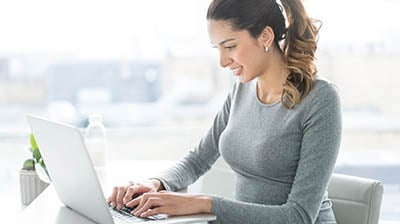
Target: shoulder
[[322, 100], [322, 106], [322, 84], [324, 90]]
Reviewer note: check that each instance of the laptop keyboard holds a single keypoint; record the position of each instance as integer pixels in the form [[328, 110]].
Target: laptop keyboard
[[124, 216]]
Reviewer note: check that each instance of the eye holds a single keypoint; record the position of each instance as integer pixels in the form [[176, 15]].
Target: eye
[[229, 47]]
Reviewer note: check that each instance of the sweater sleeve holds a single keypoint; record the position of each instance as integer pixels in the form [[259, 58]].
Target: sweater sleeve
[[320, 144], [200, 159]]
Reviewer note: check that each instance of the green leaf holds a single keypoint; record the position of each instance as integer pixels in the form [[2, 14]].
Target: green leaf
[[33, 142], [29, 164], [42, 172], [41, 162], [43, 165], [36, 155]]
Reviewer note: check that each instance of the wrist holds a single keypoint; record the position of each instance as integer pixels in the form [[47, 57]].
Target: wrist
[[205, 203], [157, 184]]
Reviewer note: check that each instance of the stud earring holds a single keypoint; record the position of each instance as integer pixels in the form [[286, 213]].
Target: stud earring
[[266, 49]]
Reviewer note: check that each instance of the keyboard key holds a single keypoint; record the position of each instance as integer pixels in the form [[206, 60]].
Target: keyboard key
[[126, 217]]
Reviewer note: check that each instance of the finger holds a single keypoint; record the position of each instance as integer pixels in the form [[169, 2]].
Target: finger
[[112, 199], [140, 188], [150, 203], [137, 190], [153, 211], [142, 200], [120, 195], [129, 194], [134, 202]]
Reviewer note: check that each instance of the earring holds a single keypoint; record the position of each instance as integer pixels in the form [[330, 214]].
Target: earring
[[266, 49]]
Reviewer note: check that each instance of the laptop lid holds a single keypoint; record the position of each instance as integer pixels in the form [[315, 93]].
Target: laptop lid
[[73, 176], [70, 168]]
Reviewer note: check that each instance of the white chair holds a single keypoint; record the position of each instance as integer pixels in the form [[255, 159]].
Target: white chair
[[355, 200]]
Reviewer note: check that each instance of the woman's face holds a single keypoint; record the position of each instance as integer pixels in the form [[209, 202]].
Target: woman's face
[[238, 50]]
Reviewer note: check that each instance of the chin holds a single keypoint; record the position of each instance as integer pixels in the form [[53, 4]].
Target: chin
[[244, 79]]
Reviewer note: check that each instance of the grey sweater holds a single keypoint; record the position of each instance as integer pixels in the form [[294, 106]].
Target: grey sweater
[[283, 159]]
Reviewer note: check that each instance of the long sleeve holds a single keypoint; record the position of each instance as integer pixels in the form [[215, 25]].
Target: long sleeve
[[320, 128], [200, 159]]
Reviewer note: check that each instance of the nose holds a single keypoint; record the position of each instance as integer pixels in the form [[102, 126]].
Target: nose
[[224, 60]]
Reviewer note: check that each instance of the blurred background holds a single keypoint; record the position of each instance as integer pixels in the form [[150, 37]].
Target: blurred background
[[149, 68]]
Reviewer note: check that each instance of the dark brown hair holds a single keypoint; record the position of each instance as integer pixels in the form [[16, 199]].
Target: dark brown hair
[[300, 37]]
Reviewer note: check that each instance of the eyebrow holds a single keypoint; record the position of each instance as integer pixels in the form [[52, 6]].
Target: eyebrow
[[224, 41], [227, 40]]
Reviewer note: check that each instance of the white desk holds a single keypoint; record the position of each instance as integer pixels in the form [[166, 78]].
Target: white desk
[[47, 208]]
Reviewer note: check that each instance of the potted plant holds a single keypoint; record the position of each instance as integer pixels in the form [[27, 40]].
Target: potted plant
[[34, 177]]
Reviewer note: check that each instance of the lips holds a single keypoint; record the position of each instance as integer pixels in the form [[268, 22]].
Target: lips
[[237, 71]]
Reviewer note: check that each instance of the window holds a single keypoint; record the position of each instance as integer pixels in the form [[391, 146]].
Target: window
[[148, 67], [359, 52]]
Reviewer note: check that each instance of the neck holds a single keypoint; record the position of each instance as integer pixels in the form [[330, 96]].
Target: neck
[[270, 83]]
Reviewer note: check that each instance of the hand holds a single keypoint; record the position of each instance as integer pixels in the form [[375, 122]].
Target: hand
[[123, 194], [170, 203]]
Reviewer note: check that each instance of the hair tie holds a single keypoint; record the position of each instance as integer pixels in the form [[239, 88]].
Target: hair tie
[[280, 5]]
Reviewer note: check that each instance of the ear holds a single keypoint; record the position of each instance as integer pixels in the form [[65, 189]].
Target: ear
[[267, 37]]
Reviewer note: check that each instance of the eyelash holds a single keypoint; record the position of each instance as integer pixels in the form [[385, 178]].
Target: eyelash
[[228, 48]]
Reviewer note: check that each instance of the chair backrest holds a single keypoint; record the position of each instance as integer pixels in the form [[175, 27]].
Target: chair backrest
[[355, 200]]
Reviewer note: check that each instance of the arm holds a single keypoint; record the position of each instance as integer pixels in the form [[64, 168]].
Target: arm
[[199, 160], [183, 173], [321, 138], [187, 170]]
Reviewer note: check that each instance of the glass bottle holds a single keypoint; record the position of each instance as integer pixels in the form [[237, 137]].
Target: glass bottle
[[95, 140]]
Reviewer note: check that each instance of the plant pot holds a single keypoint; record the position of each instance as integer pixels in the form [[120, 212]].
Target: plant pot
[[30, 185]]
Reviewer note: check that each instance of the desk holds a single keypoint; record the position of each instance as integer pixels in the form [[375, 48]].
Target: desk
[[47, 208]]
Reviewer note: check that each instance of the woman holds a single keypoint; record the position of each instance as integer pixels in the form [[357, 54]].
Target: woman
[[279, 128]]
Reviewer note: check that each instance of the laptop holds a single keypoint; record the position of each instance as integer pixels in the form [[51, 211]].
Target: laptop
[[75, 180]]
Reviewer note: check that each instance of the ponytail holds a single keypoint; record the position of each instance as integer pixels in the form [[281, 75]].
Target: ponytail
[[299, 50]]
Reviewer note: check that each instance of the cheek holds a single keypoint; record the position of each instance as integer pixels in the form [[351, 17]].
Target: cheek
[[254, 58], [243, 57]]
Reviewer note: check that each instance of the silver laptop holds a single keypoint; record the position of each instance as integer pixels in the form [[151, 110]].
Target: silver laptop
[[74, 178]]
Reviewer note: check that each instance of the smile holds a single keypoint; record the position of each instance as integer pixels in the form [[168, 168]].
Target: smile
[[237, 71]]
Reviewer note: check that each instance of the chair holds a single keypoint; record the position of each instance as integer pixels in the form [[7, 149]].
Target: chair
[[355, 200]]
